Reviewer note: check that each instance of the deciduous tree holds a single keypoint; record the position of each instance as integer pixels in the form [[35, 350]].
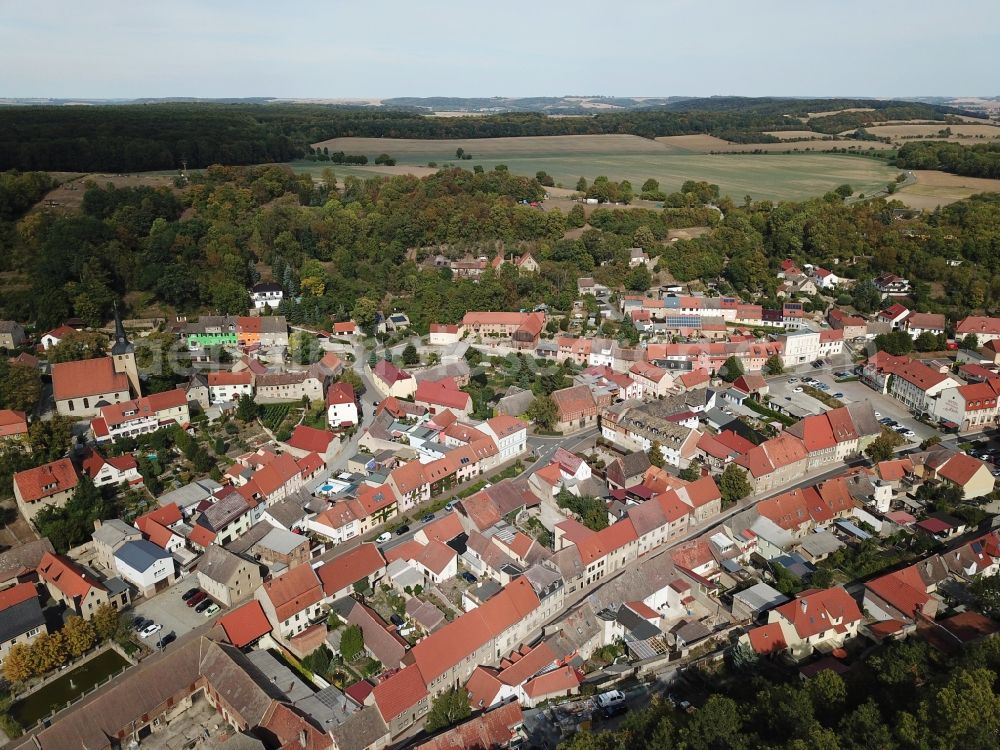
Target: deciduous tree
[[733, 484], [448, 708], [352, 642]]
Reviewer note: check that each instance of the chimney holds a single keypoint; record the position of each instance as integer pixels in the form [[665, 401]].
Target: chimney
[[805, 604], [302, 737], [97, 523]]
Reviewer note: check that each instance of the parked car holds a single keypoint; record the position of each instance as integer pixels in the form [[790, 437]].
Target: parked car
[[428, 518], [402, 530], [838, 394], [205, 604], [384, 537], [909, 434], [798, 389], [449, 507], [167, 638], [469, 577], [138, 623], [197, 599], [878, 415], [396, 620], [189, 593], [211, 609], [793, 380], [150, 629]]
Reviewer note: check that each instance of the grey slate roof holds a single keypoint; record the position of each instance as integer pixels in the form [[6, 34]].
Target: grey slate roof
[[20, 618], [190, 494], [141, 554], [361, 730], [115, 531], [761, 597], [219, 564]]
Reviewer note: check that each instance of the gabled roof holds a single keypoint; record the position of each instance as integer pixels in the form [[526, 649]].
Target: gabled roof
[[12, 423], [46, 480], [72, 580], [442, 650], [310, 439], [495, 728], [340, 393], [767, 639], [960, 468], [814, 611], [400, 692], [87, 377], [444, 392], [293, 591], [388, 373], [346, 569], [245, 624], [903, 589]]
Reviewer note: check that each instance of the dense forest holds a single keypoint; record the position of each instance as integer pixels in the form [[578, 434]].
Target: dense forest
[[904, 696], [977, 160], [144, 137], [336, 243]]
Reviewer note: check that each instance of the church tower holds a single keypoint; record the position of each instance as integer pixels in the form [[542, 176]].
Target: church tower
[[123, 355]]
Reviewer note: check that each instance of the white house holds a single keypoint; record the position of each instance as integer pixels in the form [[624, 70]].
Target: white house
[[144, 565], [341, 405], [266, 294], [510, 435], [825, 278], [229, 386], [111, 471], [442, 334]]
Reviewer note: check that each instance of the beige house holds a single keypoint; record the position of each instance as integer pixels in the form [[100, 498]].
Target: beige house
[[49, 484], [287, 386], [227, 578], [822, 620], [109, 536], [82, 387]]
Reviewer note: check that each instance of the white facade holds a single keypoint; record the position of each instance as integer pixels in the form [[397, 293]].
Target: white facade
[[159, 571], [229, 392], [111, 475], [338, 414], [266, 298]]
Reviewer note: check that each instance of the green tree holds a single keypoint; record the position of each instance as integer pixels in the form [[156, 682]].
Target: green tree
[[544, 412], [79, 636], [691, 473], [78, 345], [581, 185], [246, 408], [576, 217], [639, 279], [364, 314], [926, 342], [106, 621], [718, 724], [20, 386], [643, 237], [448, 708], [774, 365], [19, 666], [866, 296], [883, 447], [971, 342], [656, 454], [734, 485], [410, 355], [352, 642], [986, 590], [731, 369]]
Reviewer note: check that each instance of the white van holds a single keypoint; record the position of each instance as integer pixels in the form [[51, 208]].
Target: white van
[[610, 700]]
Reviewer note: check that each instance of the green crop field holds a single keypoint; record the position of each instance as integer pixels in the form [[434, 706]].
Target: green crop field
[[567, 158]]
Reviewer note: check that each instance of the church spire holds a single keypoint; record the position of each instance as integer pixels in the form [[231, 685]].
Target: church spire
[[122, 345]]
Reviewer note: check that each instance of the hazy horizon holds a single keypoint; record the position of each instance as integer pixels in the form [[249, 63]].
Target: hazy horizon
[[309, 49]]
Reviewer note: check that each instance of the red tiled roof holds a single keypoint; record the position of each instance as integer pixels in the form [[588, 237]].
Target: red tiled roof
[[293, 591], [977, 324], [960, 468], [444, 392], [814, 611], [388, 373], [894, 469], [400, 692], [22, 592], [66, 576], [767, 638], [555, 682], [340, 393], [492, 729], [201, 536], [12, 423], [574, 401], [275, 474], [903, 589], [245, 624], [306, 438], [349, 568], [409, 476], [442, 650], [57, 476], [87, 377], [229, 378], [504, 426]]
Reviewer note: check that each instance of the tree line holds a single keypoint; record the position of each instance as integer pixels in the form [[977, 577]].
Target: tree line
[[134, 138], [976, 160]]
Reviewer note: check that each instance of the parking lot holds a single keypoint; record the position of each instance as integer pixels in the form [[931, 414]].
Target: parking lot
[[170, 611], [853, 391]]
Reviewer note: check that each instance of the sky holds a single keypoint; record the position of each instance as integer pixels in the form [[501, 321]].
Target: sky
[[386, 48]]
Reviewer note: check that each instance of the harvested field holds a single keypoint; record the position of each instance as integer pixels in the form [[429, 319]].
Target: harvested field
[[933, 189], [839, 111], [703, 144], [420, 150], [790, 135], [315, 168], [966, 130]]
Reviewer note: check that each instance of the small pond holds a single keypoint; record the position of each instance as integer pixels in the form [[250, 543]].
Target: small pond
[[66, 688]]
